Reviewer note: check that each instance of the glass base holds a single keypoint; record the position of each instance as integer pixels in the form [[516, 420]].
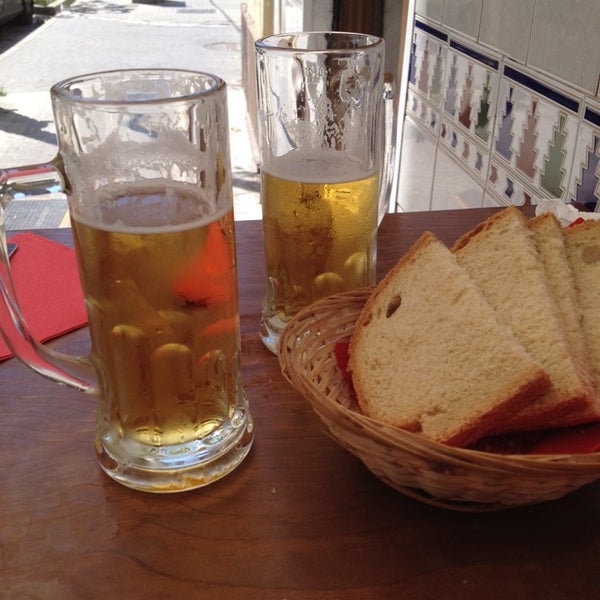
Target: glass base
[[184, 467], [270, 331]]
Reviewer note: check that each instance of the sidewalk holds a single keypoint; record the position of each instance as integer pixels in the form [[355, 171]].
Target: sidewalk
[[95, 35]]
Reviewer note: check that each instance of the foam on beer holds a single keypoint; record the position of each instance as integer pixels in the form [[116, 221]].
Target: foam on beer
[[154, 206], [317, 166]]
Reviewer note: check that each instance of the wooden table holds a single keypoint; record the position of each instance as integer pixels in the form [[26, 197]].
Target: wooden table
[[299, 519]]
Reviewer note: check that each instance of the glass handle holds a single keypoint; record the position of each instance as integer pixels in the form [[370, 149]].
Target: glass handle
[[74, 371], [390, 115], [32, 180]]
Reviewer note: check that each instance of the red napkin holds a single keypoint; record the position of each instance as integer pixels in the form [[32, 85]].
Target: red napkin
[[48, 289], [571, 440]]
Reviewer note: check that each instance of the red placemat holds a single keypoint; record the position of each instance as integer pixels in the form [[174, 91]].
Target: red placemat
[[48, 289]]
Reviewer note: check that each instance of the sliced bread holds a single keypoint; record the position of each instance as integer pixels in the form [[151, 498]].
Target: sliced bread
[[501, 257], [582, 243], [429, 355], [550, 243]]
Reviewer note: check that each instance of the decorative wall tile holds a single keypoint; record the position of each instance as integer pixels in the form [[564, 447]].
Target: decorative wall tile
[[471, 155], [452, 96], [496, 132], [427, 65], [536, 133], [584, 187], [423, 111], [507, 187], [471, 91]]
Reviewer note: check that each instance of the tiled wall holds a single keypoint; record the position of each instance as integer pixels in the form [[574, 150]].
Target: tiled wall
[[503, 104]]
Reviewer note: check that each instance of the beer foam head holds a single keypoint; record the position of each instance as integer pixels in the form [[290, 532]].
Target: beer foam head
[[175, 150], [316, 166], [150, 207]]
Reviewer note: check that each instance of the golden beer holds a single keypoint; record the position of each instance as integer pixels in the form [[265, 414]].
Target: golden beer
[[319, 240], [321, 125], [145, 164], [163, 315]]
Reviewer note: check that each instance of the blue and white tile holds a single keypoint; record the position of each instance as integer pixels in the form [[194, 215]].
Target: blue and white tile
[[584, 185]]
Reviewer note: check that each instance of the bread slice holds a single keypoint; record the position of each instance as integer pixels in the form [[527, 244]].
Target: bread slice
[[501, 257], [429, 355], [582, 243], [550, 243]]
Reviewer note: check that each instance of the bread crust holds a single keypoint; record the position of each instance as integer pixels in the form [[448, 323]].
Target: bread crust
[[520, 272], [551, 244], [404, 376], [582, 244], [561, 265]]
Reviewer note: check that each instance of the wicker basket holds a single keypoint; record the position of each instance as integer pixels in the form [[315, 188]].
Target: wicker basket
[[447, 477]]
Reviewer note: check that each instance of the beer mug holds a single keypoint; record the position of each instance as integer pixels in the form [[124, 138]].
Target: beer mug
[[144, 155], [323, 185]]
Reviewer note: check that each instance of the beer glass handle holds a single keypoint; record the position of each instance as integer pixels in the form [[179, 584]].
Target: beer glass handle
[[74, 371], [32, 180], [390, 118]]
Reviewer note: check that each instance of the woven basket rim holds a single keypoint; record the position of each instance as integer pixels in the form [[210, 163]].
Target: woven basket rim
[[319, 312], [460, 455]]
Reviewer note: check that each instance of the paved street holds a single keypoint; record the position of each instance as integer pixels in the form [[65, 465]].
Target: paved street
[[93, 35]]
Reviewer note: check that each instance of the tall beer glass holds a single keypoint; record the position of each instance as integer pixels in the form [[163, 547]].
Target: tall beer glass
[[147, 171], [321, 146]]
